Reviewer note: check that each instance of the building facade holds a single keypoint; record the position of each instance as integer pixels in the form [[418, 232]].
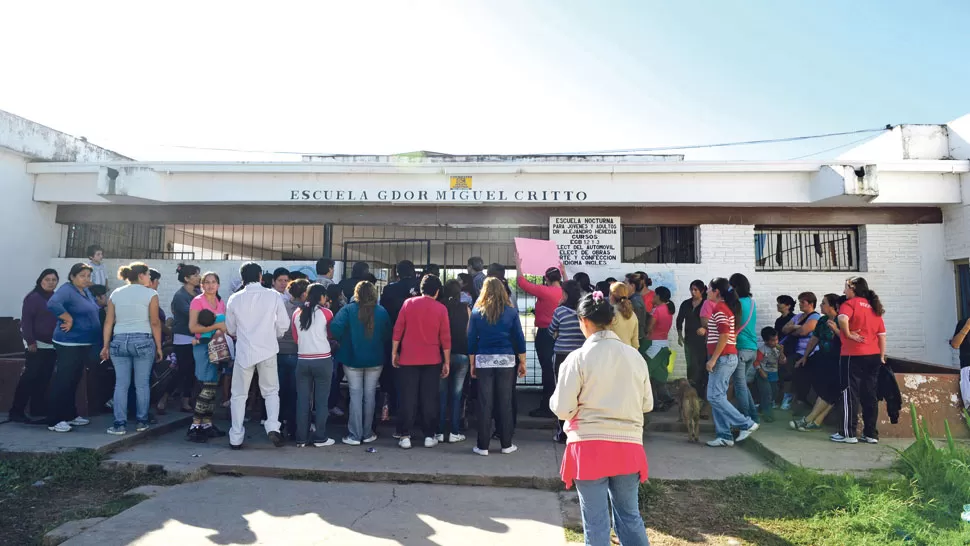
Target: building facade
[[896, 211]]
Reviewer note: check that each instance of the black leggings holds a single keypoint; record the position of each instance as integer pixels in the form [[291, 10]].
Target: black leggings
[[184, 380], [32, 387]]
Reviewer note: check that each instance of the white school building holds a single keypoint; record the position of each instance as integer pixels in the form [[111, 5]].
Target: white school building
[[895, 210]]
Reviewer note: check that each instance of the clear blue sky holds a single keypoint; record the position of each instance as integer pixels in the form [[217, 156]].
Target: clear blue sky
[[484, 76]]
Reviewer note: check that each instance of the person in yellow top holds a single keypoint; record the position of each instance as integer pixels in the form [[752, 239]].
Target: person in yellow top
[[625, 325]]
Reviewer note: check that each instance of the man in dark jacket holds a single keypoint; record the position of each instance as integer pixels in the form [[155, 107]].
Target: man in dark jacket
[[394, 295], [359, 273]]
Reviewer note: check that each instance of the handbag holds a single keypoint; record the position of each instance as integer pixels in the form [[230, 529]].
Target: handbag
[[218, 349]]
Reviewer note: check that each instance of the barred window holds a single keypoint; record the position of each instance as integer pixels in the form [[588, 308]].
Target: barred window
[[806, 248], [659, 244]]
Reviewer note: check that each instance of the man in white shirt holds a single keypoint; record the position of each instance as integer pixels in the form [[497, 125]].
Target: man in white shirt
[[256, 317]]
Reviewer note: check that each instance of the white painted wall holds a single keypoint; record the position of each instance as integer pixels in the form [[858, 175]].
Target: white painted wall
[[30, 235], [904, 264]]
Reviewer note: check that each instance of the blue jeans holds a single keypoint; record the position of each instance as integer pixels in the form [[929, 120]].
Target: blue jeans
[[725, 415], [595, 497], [204, 371], [362, 384], [767, 388], [286, 372], [452, 385], [132, 354], [743, 375], [313, 378]]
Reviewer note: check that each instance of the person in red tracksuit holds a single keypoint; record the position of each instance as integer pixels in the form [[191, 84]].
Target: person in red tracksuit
[[863, 335]]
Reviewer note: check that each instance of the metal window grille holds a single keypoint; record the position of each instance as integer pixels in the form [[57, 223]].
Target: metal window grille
[[806, 249], [659, 244], [197, 241]]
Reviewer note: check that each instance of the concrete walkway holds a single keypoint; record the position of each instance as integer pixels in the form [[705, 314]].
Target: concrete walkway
[[778, 443], [535, 465], [18, 437], [250, 510]]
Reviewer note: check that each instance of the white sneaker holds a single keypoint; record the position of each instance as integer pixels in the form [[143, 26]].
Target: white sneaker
[[430, 442], [326, 443], [350, 441], [439, 437], [482, 452], [509, 450], [869, 440], [455, 438], [786, 402], [842, 439], [336, 412], [60, 427], [743, 435], [404, 443], [396, 435], [721, 442], [79, 421], [371, 438]]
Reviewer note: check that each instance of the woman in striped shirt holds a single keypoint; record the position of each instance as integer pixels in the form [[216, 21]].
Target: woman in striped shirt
[[722, 361], [567, 333]]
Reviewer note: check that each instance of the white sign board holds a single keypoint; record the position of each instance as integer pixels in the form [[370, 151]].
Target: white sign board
[[586, 241]]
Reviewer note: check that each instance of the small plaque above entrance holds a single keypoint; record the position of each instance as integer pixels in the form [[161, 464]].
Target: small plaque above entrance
[[461, 182], [586, 241]]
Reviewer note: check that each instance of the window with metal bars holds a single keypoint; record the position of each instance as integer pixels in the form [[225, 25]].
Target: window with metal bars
[[659, 244], [197, 241], [806, 248]]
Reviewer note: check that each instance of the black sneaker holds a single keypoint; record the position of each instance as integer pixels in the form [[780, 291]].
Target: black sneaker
[[18, 418], [197, 435], [235, 447], [277, 438], [212, 431]]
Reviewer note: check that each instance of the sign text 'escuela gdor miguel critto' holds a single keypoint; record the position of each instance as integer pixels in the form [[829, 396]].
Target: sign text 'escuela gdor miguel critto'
[[586, 240], [439, 196]]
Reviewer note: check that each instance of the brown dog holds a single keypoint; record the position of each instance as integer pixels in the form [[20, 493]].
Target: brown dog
[[690, 409]]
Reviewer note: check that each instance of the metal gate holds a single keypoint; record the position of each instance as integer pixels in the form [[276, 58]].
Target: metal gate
[[383, 255], [456, 260]]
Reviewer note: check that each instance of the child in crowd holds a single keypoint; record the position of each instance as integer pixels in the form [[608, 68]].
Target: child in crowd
[[95, 259], [770, 355]]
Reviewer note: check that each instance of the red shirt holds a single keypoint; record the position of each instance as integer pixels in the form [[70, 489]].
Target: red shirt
[[598, 459], [648, 301], [423, 330], [863, 321], [663, 319], [721, 322], [547, 299]]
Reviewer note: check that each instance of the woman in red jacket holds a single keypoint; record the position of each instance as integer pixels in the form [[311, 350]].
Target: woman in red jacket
[[548, 296], [862, 332], [422, 335]]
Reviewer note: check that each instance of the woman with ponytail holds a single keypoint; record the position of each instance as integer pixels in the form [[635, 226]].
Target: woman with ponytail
[[585, 285], [133, 342], [625, 325], [314, 367], [722, 363], [658, 353], [182, 338], [602, 392], [863, 336]]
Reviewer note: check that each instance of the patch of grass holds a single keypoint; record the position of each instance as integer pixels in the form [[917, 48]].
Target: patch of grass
[[75, 486], [919, 506]]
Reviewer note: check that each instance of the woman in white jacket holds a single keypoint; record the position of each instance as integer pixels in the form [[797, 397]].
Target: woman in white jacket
[[314, 367], [602, 392]]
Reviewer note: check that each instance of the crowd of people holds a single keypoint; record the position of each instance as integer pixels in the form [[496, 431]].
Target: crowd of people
[[423, 350]]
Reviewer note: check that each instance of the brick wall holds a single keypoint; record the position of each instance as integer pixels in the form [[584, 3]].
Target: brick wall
[[956, 223]]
